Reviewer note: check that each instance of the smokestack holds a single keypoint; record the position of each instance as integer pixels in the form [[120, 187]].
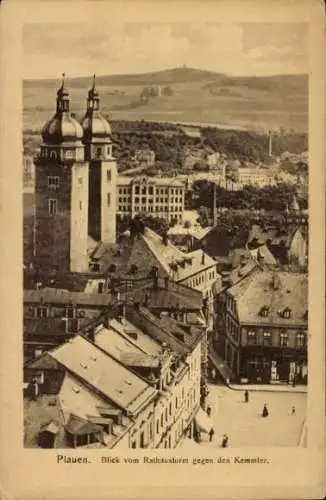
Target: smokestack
[[214, 205], [203, 259], [270, 143]]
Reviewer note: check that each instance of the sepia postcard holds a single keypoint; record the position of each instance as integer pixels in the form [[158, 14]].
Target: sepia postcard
[[162, 249]]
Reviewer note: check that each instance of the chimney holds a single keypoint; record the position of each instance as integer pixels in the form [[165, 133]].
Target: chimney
[[146, 300], [203, 259], [166, 283], [91, 334], [155, 276], [35, 390], [165, 238]]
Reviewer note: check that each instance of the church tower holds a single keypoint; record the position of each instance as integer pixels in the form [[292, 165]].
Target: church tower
[[61, 193], [102, 171]]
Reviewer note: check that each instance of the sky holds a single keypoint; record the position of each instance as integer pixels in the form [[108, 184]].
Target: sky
[[104, 49]]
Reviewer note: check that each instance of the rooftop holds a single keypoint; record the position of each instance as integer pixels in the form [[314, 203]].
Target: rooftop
[[60, 296], [104, 373], [159, 181], [177, 264], [73, 408], [274, 291]]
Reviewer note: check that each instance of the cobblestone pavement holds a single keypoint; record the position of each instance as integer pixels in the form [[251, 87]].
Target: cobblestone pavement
[[243, 424]]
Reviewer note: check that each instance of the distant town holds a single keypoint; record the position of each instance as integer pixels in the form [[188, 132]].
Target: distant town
[[165, 282]]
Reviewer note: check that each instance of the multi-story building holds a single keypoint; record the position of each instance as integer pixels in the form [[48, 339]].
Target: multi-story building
[[264, 334], [75, 186], [145, 157], [130, 381], [255, 176], [194, 269], [159, 197]]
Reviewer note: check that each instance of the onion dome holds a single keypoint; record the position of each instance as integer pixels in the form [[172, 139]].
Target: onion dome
[[62, 127], [95, 126]]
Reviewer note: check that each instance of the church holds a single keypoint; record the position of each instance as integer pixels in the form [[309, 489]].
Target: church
[[75, 186]]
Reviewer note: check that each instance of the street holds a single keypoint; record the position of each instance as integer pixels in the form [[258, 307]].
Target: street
[[243, 424]]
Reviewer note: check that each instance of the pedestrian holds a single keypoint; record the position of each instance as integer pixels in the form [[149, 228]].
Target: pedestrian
[[211, 434], [265, 412], [227, 381], [213, 373], [293, 410], [209, 411], [246, 396], [225, 441]]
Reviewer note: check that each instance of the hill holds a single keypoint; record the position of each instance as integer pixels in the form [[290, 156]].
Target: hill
[[252, 102]]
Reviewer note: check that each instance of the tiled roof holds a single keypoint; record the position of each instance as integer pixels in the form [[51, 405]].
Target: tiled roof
[[51, 326], [186, 264], [264, 253], [60, 296], [159, 181], [220, 240], [75, 282], [257, 291], [104, 373], [164, 329], [136, 336], [165, 299], [123, 349], [79, 426]]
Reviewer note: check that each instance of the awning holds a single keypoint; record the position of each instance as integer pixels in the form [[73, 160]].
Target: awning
[[202, 421]]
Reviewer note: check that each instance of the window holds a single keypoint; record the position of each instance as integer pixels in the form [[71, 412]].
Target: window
[[53, 206], [42, 312], [267, 338], [170, 409], [300, 339], [150, 190], [80, 205], [162, 420], [252, 337], [157, 426], [108, 197], [166, 414], [98, 152], [133, 444], [80, 180], [70, 311], [284, 339], [108, 172], [53, 182], [137, 190]]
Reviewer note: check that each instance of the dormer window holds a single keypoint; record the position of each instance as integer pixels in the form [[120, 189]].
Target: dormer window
[[286, 313], [264, 311]]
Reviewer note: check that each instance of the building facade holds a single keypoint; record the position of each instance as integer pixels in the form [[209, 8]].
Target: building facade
[[263, 327], [158, 197], [127, 382]]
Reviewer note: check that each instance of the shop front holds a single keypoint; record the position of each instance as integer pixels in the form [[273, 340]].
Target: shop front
[[273, 365]]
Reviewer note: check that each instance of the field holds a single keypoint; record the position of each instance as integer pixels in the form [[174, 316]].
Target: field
[[254, 103]]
